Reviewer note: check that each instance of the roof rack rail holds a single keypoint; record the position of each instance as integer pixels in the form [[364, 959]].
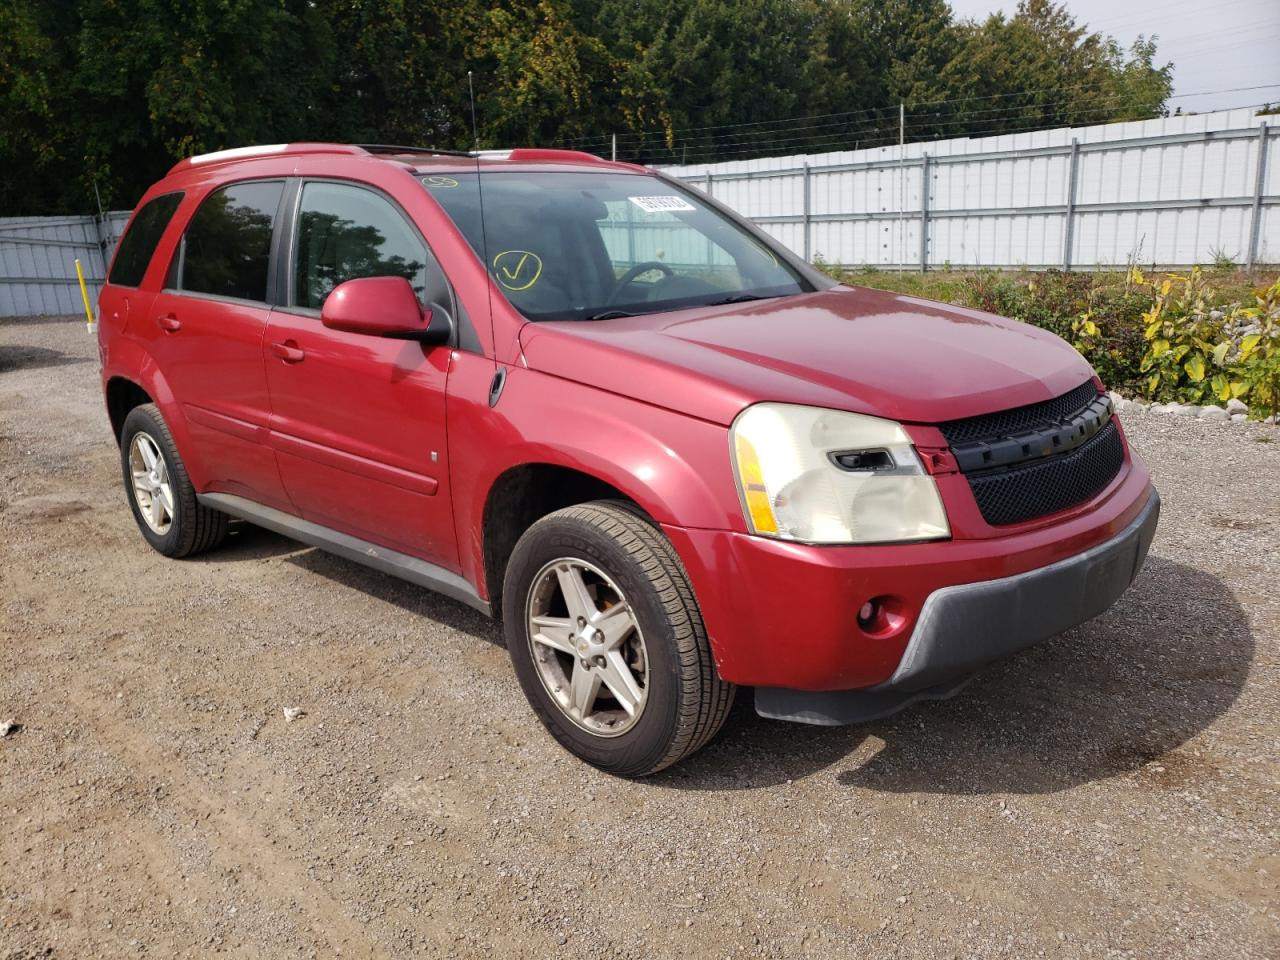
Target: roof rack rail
[[259, 151], [399, 148]]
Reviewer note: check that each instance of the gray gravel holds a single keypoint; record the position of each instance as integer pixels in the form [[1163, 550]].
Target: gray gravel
[[1112, 793]]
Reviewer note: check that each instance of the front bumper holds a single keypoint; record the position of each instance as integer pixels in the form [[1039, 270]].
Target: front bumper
[[962, 628]]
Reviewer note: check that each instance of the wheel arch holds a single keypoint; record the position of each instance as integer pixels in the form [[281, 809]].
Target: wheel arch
[[123, 395], [522, 495], [133, 378]]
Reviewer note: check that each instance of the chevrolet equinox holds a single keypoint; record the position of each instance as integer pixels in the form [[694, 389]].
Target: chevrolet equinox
[[590, 400]]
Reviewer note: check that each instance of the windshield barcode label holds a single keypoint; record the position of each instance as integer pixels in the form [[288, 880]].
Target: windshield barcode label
[[662, 204]]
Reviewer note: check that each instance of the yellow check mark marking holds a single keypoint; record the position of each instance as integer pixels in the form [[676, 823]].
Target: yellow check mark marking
[[512, 274]]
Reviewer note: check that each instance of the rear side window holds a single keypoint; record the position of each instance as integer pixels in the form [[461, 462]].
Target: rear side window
[[346, 232], [140, 240], [227, 247]]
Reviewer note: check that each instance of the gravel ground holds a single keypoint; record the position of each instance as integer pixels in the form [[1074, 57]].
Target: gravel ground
[[1111, 793]]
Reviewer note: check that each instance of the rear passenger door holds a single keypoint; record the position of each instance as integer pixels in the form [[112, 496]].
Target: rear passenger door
[[206, 331], [358, 422]]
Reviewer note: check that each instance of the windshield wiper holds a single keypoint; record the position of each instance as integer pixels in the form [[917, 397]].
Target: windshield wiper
[[737, 298], [609, 315]]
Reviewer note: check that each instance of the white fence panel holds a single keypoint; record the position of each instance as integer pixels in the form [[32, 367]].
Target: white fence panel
[[1172, 191], [37, 261]]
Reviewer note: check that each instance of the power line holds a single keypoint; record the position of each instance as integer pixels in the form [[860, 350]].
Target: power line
[[1031, 112], [681, 155], [638, 142]]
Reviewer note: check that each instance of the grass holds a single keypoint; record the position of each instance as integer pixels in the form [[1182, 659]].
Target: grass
[[957, 287]]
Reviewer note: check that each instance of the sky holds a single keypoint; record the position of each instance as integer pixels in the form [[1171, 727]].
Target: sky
[[1215, 45]]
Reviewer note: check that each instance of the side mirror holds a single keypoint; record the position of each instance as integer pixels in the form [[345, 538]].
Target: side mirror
[[383, 307]]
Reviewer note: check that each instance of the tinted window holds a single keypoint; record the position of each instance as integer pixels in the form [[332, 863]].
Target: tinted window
[[228, 243], [346, 232], [140, 240], [570, 245]]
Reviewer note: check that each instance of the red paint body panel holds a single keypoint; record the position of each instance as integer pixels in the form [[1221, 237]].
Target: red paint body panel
[[746, 587], [869, 351], [353, 425], [340, 427]]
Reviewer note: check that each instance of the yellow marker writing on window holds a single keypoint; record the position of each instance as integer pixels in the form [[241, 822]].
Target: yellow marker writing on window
[[517, 269]]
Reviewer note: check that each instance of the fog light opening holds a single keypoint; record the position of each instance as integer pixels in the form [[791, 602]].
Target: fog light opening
[[882, 616]]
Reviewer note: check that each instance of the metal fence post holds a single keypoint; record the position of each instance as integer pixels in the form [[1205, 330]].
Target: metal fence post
[[710, 250], [1255, 221], [1068, 228], [808, 215], [924, 213]]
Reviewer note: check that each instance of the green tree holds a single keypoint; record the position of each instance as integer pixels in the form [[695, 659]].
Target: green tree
[[110, 93]]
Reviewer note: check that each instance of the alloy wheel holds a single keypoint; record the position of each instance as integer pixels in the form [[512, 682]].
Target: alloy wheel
[[151, 487], [587, 647]]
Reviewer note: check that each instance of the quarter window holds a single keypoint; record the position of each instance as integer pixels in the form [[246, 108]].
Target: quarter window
[[346, 232], [139, 243], [227, 247]]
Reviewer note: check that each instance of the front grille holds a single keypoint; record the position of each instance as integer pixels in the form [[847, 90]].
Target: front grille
[[1046, 486], [1020, 419], [1035, 460]]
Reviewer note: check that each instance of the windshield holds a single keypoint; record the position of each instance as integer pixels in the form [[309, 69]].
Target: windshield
[[590, 246]]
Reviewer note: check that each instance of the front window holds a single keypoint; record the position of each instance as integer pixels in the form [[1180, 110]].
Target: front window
[[345, 232], [590, 246]]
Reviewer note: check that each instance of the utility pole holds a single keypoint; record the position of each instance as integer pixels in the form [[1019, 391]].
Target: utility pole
[[615, 148]]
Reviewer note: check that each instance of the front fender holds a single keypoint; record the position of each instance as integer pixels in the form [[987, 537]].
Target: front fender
[[674, 467]]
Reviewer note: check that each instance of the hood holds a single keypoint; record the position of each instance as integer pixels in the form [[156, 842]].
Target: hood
[[868, 351]]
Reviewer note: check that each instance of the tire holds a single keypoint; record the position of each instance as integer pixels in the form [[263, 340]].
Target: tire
[[636, 590], [181, 527]]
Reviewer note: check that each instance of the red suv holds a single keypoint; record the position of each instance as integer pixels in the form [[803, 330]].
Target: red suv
[[586, 398]]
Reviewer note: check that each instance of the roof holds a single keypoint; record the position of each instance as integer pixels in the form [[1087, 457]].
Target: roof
[[411, 156]]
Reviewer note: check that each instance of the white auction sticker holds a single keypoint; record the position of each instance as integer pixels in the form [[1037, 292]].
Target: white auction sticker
[[665, 204]]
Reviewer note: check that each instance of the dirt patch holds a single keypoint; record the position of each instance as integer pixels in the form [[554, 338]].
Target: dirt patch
[[1111, 793]]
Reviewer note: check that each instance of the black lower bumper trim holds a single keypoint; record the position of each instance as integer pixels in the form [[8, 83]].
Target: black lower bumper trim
[[965, 627]]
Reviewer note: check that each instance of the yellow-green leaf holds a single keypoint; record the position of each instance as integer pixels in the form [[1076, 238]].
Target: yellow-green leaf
[[1249, 344], [1153, 381], [1195, 368], [1220, 386], [1220, 352], [1238, 388], [1159, 347]]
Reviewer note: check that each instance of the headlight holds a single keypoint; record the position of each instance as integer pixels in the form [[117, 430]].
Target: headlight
[[826, 476]]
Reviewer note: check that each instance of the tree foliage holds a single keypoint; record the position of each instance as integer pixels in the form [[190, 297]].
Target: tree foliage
[[109, 93]]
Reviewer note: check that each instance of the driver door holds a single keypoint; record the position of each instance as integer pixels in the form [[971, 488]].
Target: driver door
[[358, 421]]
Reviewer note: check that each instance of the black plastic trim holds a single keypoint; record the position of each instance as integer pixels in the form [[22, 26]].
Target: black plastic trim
[[401, 565], [965, 627], [1037, 443]]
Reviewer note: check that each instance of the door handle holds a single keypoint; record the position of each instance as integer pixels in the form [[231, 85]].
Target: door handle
[[169, 323], [288, 351]]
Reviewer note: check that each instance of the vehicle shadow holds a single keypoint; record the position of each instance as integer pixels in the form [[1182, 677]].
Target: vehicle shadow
[[1103, 699], [247, 542], [20, 357], [408, 596]]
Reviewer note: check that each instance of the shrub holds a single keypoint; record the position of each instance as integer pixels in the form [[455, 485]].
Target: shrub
[[1198, 353], [1167, 337]]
